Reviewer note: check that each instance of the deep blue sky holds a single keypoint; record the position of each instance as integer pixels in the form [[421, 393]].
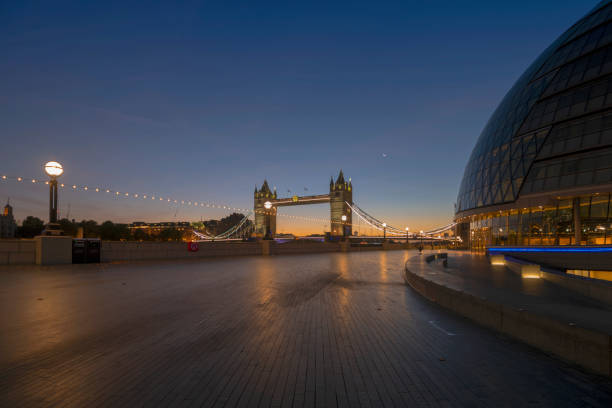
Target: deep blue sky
[[203, 100]]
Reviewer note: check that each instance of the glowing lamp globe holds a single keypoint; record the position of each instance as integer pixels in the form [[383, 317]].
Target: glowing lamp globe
[[54, 169], [344, 218], [268, 205], [407, 228], [385, 224]]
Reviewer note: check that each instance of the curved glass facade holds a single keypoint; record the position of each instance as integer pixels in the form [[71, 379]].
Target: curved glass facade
[[553, 130]]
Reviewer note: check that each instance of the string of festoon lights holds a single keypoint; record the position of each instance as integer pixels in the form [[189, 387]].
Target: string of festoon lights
[[155, 197]]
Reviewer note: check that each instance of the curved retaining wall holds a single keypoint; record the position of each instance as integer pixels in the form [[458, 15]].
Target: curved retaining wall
[[584, 347]]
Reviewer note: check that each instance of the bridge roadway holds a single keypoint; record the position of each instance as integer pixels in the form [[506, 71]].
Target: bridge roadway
[[337, 329]]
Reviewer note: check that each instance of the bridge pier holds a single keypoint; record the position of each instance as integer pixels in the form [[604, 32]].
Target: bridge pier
[[265, 246]]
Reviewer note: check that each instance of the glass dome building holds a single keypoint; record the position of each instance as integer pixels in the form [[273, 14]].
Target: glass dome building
[[541, 170]]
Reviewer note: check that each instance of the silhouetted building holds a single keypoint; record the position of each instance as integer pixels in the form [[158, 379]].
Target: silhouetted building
[[8, 226], [541, 170]]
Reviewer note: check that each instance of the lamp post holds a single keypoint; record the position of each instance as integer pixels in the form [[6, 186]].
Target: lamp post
[[407, 229], [267, 217], [53, 170], [343, 227], [384, 231], [421, 234]]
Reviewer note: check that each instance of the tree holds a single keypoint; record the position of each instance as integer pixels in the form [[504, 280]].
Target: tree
[[170, 234], [90, 229], [69, 227], [140, 235], [30, 227]]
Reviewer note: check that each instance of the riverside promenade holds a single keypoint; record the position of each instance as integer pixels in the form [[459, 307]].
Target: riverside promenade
[[327, 330]]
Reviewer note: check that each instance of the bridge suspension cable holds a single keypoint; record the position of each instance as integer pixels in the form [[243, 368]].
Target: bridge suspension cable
[[233, 231], [372, 221]]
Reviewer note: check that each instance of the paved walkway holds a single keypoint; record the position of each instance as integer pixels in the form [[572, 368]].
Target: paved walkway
[[310, 330], [474, 274]]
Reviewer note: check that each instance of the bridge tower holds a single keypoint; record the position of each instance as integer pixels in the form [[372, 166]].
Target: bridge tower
[[265, 218], [341, 193]]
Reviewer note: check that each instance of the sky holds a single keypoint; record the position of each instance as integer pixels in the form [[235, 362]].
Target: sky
[[203, 100]]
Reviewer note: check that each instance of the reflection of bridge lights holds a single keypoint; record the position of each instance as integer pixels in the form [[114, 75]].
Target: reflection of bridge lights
[[268, 205]]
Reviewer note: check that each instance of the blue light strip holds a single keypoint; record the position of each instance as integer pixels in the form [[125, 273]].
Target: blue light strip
[[567, 250]]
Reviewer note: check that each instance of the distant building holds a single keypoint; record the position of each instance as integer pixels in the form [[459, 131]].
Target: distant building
[[8, 226], [285, 236], [154, 228]]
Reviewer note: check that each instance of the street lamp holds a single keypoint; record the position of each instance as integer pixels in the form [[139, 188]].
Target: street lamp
[[53, 170], [407, 229], [384, 231], [421, 234], [267, 221], [343, 226]]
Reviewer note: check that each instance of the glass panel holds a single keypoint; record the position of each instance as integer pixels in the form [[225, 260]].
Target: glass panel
[[585, 203], [599, 207], [536, 229], [565, 226], [549, 225]]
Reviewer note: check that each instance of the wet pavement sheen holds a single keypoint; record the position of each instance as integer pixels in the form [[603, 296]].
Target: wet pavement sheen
[[302, 330]]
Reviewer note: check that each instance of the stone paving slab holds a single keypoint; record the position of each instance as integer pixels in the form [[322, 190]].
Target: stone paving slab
[[338, 329]]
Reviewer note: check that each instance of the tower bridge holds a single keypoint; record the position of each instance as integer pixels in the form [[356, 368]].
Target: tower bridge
[[340, 199]]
